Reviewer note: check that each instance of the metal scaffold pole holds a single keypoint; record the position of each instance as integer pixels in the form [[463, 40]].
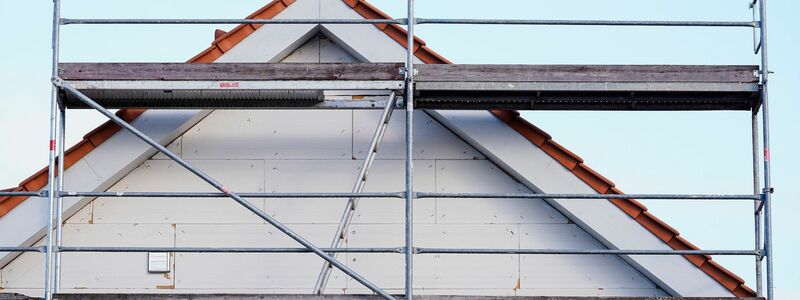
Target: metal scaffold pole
[[409, 211], [757, 204], [767, 191], [52, 193], [62, 121]]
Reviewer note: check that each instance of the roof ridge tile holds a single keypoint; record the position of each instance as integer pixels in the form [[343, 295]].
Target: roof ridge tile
[[565, 157], [599, 183], [660, 229]]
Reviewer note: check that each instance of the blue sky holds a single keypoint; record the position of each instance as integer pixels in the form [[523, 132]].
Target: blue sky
[[642, 152]]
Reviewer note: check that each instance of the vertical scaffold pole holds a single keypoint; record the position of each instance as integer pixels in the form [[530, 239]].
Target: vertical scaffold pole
[[51, 190], [409, 72], [767, 192], [757, 204], [60, 143]]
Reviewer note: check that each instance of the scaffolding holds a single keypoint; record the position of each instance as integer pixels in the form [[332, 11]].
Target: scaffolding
[[411, 87]]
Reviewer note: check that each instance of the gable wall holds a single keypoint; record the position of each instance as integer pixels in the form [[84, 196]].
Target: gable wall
[[321, 151], [314, 151]]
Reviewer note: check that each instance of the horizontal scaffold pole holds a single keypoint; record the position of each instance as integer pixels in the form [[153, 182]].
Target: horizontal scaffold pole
[[227, 250], [22, 249], [67, 21], [591, 196], [223, 195], [750, 24], [585, 251], [24, 194], [398, 250], [398, 195], [403, 21]]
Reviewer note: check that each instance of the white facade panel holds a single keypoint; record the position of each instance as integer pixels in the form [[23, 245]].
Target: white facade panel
[[168, 176], [251, 271], [481, 176], [174, 146], [330, 52], [308, 52], [160, 125], [26, 271], [319, 49], [433, 271], [431, 139], [82, 216], [276, 134], [572, 271], [114, 270], [389, 176], [340, 176], [82, 271]]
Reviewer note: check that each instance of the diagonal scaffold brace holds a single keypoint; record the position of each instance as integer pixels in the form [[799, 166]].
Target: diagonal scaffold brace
[[222, 188], [350, 208]]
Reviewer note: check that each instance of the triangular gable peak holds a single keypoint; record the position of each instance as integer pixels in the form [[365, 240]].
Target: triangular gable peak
[[226, 42]]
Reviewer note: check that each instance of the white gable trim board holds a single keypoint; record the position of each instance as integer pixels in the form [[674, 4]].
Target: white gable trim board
[[96, 171], [487, 137], [516, 155]]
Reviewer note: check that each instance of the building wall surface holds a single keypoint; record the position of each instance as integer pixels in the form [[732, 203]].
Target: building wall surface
[[321, 151]]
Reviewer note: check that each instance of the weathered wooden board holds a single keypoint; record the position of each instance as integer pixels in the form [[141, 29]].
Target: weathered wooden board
[[588, 73], [389, 71], [529, 87], [229, 71]]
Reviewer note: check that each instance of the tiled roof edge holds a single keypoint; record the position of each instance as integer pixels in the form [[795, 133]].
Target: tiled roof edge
[[631, 207], [72, 155], [227, 40], [396, 32]]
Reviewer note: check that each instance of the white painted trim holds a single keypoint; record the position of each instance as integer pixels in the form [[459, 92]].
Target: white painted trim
[[98, 170]]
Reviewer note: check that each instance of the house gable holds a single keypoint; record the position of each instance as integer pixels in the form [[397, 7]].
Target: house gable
[[342, 35]]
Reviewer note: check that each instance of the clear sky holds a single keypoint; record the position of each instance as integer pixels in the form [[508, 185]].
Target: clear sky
[[642, 152]]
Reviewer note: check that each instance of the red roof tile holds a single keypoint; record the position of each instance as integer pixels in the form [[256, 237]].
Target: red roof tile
[[224, 41]]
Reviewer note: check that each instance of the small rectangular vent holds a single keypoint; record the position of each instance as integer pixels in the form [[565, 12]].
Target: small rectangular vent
[[158, 262]]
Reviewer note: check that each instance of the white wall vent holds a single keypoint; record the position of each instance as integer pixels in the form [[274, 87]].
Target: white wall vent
[[158, 262]]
